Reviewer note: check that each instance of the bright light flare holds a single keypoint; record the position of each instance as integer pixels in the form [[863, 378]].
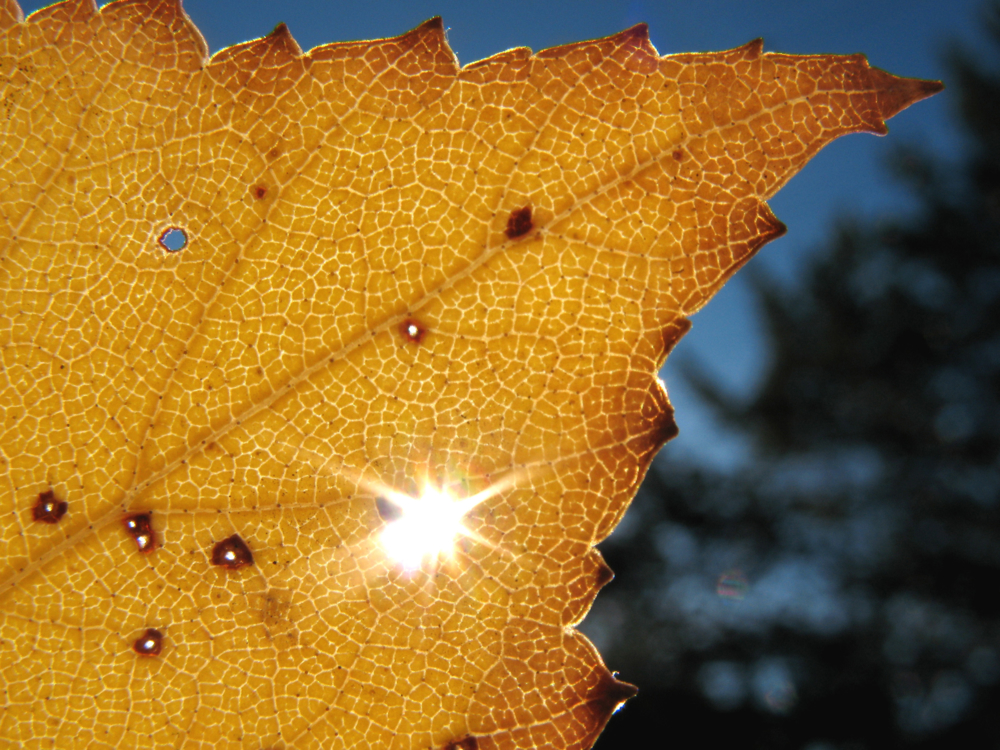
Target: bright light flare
[[428, 528], [431, 524]]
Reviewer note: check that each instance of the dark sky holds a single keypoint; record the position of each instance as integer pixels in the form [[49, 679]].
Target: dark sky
[[905, 37]]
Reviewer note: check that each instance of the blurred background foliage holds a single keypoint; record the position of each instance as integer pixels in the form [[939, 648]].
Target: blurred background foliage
[[839, 590]]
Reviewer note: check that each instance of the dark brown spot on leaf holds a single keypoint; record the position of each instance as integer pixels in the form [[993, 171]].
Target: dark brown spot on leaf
[[412, 331], [149, 643], [49, 509], [678, 154], [232, 553], [139, 526], [259, 191], [466, 743], [387, 510], [519, 223]]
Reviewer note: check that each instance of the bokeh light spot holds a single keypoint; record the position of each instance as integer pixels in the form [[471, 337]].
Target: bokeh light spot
[[732, 585]]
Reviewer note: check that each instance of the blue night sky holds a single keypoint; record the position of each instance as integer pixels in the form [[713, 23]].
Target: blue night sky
[[905, 37]]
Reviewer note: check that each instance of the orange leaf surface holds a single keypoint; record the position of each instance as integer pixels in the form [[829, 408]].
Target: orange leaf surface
[[323, 373]]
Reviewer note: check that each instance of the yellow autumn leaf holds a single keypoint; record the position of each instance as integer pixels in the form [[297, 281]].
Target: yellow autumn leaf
[[324, 373]]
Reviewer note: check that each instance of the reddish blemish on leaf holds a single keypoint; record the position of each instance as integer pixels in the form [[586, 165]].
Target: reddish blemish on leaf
[[149, 643], [139, 526], [519, 223], [678, 155], [466, 743], [232, 553], [412, 331], [173, 239], [49, 509], [259, 191]]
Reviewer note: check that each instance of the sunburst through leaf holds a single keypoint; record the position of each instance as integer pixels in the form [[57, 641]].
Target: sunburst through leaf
[[225, 277]]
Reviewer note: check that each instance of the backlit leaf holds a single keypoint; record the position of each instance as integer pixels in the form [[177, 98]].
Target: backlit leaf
[[324, 373]]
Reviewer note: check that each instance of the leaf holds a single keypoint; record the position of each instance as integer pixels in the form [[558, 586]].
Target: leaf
[[262, 311]]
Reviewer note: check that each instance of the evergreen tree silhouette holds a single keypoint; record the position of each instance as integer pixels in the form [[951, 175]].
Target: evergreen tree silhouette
[[844, 591]]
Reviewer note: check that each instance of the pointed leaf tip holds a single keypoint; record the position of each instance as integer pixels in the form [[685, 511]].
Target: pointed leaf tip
[[604, 575], [642, 56], [431, 35], [281, 38], [640, 32], [896, 94], [753, 49], [608, 695], [432, 28]]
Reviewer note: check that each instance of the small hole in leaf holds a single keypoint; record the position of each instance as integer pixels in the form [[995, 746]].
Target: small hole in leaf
[[173, 239]]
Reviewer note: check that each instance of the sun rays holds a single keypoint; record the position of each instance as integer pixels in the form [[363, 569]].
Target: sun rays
[[424, 530], [431, 524]]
